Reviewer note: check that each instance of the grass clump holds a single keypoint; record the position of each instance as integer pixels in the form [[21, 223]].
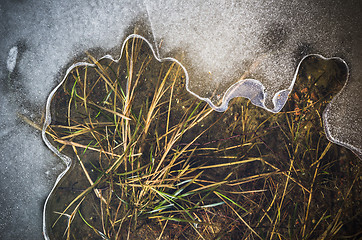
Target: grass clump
[[123, 124], [152, 162]]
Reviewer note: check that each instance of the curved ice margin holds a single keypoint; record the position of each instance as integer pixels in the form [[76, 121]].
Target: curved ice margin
[[247, 88]]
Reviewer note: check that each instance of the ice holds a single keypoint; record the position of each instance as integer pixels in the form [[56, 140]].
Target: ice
[[23, 183], [225, 41], [48, 36], [343, 117], [219, 43], [11, 61], [228, 46]]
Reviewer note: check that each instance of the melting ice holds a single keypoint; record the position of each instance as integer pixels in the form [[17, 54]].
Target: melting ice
[[229, 48]]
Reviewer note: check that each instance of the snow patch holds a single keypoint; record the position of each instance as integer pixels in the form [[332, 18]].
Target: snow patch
[[12, 57]]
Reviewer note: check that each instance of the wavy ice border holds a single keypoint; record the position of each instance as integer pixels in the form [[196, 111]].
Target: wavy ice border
[[256, 95]]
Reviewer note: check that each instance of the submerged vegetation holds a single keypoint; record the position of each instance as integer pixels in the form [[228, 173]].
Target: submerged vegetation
[[152, 162]]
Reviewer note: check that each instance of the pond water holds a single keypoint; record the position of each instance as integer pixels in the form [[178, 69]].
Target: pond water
[[150, 160]]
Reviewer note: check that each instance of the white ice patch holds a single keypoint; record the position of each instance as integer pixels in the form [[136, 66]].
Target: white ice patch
[[12, 57], [222, 43], [253, 49], [51, 34]]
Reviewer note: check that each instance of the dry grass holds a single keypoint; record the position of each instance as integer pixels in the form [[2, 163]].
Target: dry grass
[[150, 162]]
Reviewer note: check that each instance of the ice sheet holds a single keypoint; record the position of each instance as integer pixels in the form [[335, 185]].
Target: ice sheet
[[253, 49], [48, 35], [219, 42]]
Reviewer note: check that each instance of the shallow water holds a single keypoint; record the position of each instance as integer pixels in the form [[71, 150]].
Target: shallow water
[[251, 146]]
